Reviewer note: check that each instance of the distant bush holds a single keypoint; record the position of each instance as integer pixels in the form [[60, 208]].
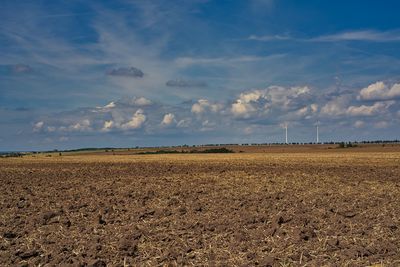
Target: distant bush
[[346, 145], [214, 150]]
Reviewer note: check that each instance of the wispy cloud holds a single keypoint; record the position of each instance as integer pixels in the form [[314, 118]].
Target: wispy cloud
[[186, 61], [362, 35], [185, 83], [267, 38], [365, 35]]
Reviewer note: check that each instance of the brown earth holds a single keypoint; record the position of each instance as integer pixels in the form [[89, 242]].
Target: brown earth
[[336, 208]]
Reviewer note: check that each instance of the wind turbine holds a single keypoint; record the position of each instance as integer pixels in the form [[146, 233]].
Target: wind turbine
[[317, 124], [285, 126]]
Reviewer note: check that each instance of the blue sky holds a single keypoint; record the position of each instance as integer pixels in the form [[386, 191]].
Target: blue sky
[[146, 73]]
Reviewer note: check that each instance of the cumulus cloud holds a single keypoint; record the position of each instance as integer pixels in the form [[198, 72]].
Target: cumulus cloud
[[38, 126], [341, 106], [204, 105], [136, 121], [185, 83], [168, 119], [259, 102], [336, 106], [303, 111], [135, 101], [256, 107], [141, 101], [364, 110], [240, 109], [244, 106], [126, 72], [380, 91], [83, 125], [107, 126], [314, 107]]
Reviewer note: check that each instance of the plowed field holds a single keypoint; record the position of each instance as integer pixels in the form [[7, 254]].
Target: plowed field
[[242, 209]]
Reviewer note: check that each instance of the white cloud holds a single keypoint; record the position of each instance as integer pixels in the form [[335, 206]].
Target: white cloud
[[183, 62], [141, 101], [168, 119], [245, 105], [242, 109], [204, 105], [260, 101], [107, 126], [303, 111], [380, 91], [366, 35], [251, 96], [38, 126], [136, 121], [314, 108], [83, 125], [364, 110], [267, 106], [337, 106], [110, 105]]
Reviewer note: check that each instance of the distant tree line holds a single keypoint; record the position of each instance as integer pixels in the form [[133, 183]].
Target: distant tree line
[[11, 155], [222, 150]]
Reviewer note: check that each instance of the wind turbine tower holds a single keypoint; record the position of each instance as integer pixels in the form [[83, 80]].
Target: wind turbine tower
[[285, 126], [317, 125]]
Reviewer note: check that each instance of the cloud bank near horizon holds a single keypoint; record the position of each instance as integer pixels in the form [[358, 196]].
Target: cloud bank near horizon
[[373, 106]]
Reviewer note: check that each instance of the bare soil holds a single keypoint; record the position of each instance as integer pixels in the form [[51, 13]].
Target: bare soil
[[245, 209]]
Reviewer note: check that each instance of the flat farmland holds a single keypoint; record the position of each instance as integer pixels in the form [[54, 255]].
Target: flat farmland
[[325, 208]]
